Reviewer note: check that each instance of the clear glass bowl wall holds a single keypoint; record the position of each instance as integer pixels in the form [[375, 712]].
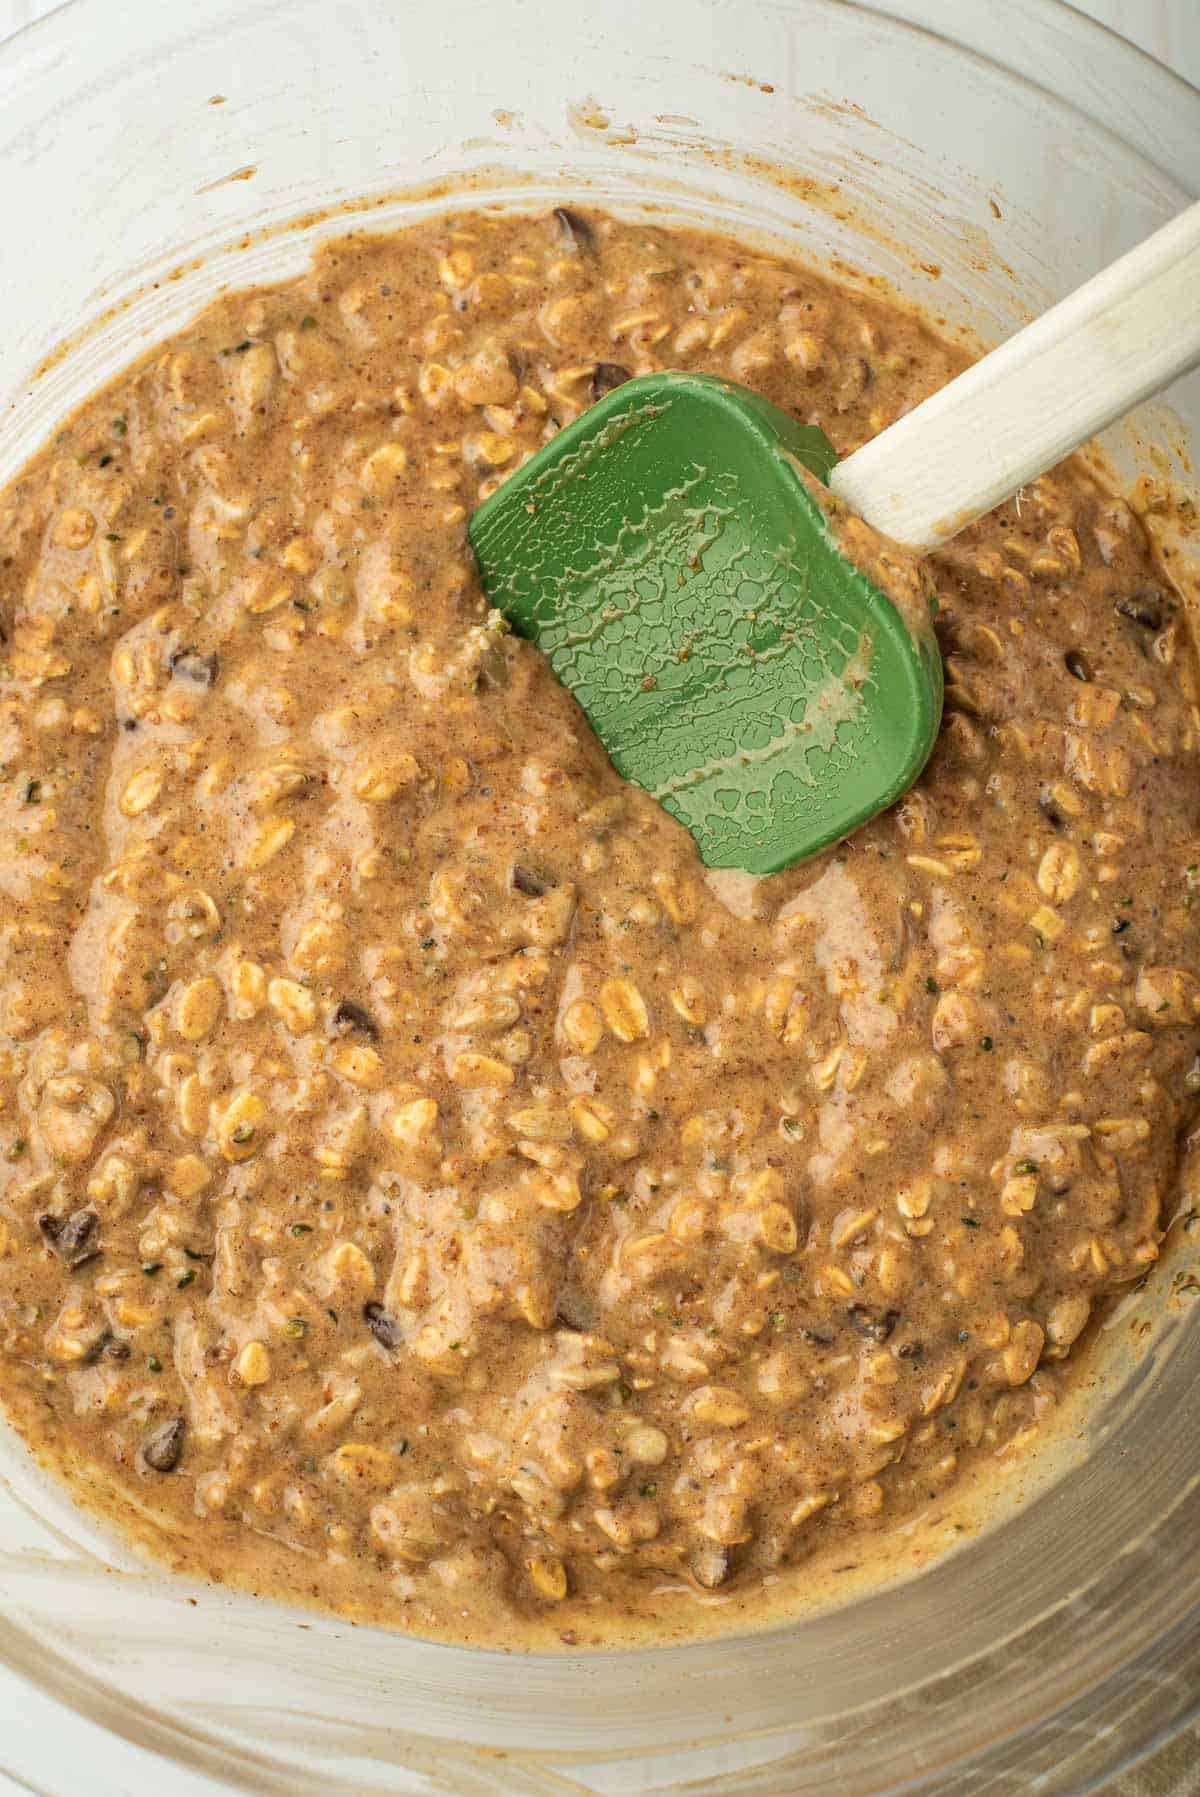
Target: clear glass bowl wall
[[1062, 1642]]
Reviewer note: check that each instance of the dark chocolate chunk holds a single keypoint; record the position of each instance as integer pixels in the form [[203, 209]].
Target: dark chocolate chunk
[[606, 376], [384, 1328], [349, 1017], [161, 1451]]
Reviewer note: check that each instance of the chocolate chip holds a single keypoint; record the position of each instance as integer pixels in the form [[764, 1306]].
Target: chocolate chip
[[1050, 812], [97, 1348], [384, 1328], [876, 1329], [1144, 607], [533, 885], [348, 1017], [575, 234], [77, 1240], [161, 1451], [606, 376], [1077, 664], [189, 664]]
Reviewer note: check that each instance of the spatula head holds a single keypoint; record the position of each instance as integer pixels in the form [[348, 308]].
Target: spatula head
[[665, 554]]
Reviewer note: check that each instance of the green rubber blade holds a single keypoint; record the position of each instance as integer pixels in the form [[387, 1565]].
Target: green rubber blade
[[666, 556]]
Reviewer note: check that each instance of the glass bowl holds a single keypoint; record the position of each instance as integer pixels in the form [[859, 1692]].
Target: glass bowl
[[983, 159]]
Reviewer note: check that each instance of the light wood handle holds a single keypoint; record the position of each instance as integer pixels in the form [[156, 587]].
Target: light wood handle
[[1124, 335]]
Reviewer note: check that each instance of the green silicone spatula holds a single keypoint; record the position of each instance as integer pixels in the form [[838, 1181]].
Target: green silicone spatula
[[669, 556]]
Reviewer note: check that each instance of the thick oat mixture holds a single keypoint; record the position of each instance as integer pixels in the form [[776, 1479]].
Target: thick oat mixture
[[423, 1189]]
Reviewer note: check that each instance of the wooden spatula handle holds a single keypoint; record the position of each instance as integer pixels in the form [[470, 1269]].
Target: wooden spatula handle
[[1124, 335]]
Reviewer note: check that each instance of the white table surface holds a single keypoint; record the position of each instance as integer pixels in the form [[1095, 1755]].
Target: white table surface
[[1169, 30]]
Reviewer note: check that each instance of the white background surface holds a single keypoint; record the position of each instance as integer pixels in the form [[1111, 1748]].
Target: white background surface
[[1168, 29]]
